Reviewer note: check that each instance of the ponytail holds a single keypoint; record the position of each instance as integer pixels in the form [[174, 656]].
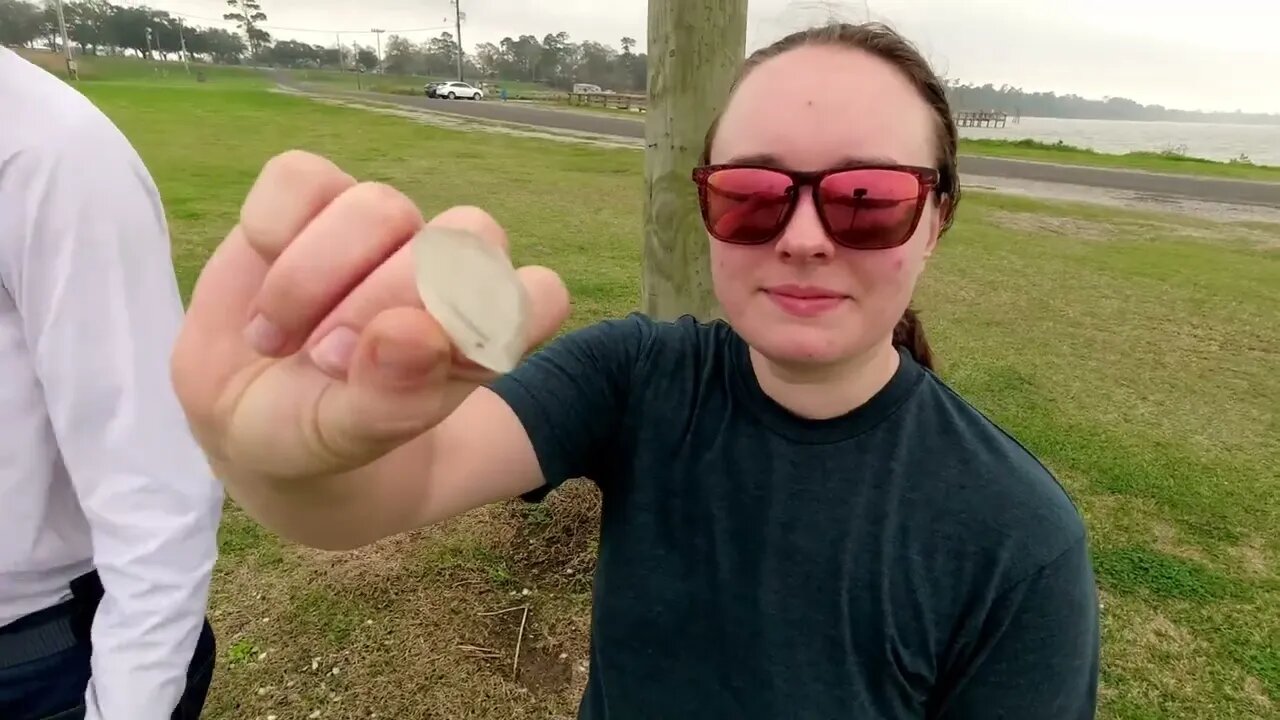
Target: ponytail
[[909, 334]]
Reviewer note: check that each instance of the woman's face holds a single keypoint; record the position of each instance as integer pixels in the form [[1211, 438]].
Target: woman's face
[[814, 108]]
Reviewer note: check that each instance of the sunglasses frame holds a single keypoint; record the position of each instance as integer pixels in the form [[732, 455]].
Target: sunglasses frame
[[926, 177]]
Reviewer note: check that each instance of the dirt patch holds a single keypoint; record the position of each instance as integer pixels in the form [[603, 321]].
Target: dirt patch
[[1167, 540], [1257, 694], [1252, 558], [1266, 239], [413, 627], [1258, 235], [1252, 234], [1075, 228], [515, 644], [1223, 212], [1137, 640]]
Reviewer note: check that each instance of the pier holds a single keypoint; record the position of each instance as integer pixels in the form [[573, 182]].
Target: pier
[[982, 118]]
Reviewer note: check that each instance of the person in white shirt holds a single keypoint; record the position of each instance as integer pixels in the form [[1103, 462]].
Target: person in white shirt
[[108, 509]]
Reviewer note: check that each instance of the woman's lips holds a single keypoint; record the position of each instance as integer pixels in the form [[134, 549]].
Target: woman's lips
[[805, 300]]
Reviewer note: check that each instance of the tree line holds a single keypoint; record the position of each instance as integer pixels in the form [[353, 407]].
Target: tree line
[[1012, 100], [555, 60], [99, 27]]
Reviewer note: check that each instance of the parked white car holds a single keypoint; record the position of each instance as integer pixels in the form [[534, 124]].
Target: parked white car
[[454, 90]]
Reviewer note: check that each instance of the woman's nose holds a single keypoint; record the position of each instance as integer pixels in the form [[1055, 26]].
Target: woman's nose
[[804, 237]]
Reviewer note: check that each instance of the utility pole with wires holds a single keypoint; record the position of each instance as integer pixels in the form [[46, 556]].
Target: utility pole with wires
[[66, 44], [457, 8], [378, 32]]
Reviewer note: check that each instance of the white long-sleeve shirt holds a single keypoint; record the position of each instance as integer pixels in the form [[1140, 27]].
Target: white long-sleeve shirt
[[97, 465]]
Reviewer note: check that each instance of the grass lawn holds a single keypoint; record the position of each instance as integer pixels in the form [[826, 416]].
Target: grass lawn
[[1136, 354], [1147, 161]]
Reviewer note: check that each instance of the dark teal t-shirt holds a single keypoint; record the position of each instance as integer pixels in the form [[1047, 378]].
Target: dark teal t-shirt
[[906, 560]]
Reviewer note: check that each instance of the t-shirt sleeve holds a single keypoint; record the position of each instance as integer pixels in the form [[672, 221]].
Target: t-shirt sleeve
[[571, 397], [1036, 655]]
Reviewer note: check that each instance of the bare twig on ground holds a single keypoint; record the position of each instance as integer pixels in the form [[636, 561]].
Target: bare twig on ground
[[501, 612], [515, 664]]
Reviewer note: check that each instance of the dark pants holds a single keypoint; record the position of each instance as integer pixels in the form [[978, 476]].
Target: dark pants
[[52, 687]]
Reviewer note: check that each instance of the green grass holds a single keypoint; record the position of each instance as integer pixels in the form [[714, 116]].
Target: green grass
[[1135, 353], [1160, 162], [121, 69]]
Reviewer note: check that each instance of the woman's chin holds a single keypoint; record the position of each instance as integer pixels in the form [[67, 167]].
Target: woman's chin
[[800, 345]]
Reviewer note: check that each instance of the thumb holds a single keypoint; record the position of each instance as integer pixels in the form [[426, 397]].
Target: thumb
[[395, 388]]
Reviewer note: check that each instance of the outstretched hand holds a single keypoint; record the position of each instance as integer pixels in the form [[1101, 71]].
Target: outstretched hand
[[306, 351]]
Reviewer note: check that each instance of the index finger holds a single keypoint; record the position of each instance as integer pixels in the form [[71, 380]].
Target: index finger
[[291, 190]]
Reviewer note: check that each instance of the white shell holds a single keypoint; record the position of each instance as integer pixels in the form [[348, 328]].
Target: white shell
[[471, 289]]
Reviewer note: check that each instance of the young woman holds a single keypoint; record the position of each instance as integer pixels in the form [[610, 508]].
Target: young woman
[[800, 519]]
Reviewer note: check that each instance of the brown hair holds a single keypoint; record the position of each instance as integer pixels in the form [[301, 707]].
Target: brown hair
[[886, 44]]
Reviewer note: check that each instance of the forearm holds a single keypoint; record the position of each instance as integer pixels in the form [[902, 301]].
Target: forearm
[[156, 577], [100, 310], [339, 512], [444, 472]]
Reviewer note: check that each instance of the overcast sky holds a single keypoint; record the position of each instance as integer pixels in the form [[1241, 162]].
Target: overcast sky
[[1201, 54]]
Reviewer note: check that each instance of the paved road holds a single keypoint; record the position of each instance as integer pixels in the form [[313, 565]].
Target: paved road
[[1240, 192]]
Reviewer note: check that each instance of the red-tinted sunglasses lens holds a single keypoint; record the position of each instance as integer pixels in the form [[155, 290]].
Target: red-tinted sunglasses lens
[[746, 205], [870, 208]]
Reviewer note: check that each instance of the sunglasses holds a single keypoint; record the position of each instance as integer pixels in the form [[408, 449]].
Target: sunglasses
[[868, 207]]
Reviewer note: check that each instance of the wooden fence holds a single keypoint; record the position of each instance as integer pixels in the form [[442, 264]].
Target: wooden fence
[[619, 101]]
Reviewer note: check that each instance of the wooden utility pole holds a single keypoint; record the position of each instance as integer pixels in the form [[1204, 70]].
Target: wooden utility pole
[[66, 44], [378, 32], [457, 7], [695, 48], [182, 42]]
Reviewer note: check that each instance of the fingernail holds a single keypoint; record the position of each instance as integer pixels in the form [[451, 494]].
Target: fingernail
[[400, 361], [264, 336], [334, 352]]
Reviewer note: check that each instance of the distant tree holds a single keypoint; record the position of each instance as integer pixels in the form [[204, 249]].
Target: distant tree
[[595, 63], [336, 57], [366, 58], [402, 56], [19, 23], [49, 31], [557, 58], [294, 54], [628, 44], [441, 55], [488, 59], [166, 35], [87, 24], [222, 46], [247, 14], [127, 29]]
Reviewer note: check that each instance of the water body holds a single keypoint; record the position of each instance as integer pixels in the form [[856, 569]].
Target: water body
[[1215, 141]]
